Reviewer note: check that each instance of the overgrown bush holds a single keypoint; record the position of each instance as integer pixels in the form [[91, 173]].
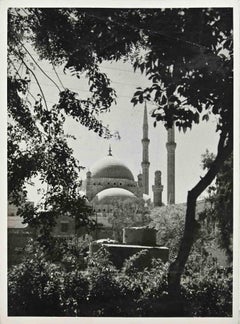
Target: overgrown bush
[[33, 288], [107, 295], [148, 285], [137, 262], [40, 288], [74, 293], [208, 292]]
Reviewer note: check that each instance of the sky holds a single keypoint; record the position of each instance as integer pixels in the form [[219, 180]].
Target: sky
[[127, 120]]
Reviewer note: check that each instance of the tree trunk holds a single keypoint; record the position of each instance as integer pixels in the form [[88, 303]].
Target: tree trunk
[[191, 226], [177, 267]]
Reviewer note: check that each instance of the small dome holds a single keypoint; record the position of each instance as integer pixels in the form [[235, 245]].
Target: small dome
[[109, 167], [114, 193]]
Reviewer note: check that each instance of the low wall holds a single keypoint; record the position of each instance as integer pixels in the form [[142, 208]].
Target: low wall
[[120, 252]]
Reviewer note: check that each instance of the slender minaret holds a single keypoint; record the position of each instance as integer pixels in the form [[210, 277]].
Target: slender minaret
[[110, 151], [88, 185], [145, 157], [171, 146], [157, 189]]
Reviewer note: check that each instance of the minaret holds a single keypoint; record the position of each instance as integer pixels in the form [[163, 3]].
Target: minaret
[[145, 157], [157, 189], [110, 151], [171, 146], [88, 185]]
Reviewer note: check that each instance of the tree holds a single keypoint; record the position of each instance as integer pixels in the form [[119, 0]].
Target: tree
[[186, 53]]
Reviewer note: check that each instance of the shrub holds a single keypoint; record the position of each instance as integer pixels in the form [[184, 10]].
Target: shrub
[[154, 290], [147, 287], [40, 288], [137, 262], [74, 293], [208, 293], [104, 293], [32, 290], [105, 290]]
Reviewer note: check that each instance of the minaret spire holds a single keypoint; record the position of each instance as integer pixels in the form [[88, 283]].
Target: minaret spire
[[110, 151], [171, 146], [145, 155]]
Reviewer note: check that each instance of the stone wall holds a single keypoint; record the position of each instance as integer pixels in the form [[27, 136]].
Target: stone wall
[[139, 236]]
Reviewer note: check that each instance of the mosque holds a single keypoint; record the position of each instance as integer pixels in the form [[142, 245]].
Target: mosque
[[111, 179], [108, 180]]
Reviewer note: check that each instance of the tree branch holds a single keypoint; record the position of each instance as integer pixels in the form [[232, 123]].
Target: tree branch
[[40, 88], [60, 81], [223, 153], [40, 67]]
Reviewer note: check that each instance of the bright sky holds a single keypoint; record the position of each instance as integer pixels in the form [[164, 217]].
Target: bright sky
[[123, 117]]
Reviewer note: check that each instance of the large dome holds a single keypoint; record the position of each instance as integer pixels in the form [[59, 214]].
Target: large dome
[[109, 167]]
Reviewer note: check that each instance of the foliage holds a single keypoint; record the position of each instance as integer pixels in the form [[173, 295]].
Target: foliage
[[43, 153], [71, 253], [42, 222], [32, 288], [169, 223], [181, 62], [38, 287], [74, 293], [220, 200], [137, 262], [183, 52], [208, 293], [127, 213], [182, 56], [100, 259]]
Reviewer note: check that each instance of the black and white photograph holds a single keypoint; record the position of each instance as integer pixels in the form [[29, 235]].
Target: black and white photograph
[[122, 162]]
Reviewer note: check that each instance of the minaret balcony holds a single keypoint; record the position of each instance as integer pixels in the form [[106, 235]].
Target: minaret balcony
[[145, 164], [171, 145]]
